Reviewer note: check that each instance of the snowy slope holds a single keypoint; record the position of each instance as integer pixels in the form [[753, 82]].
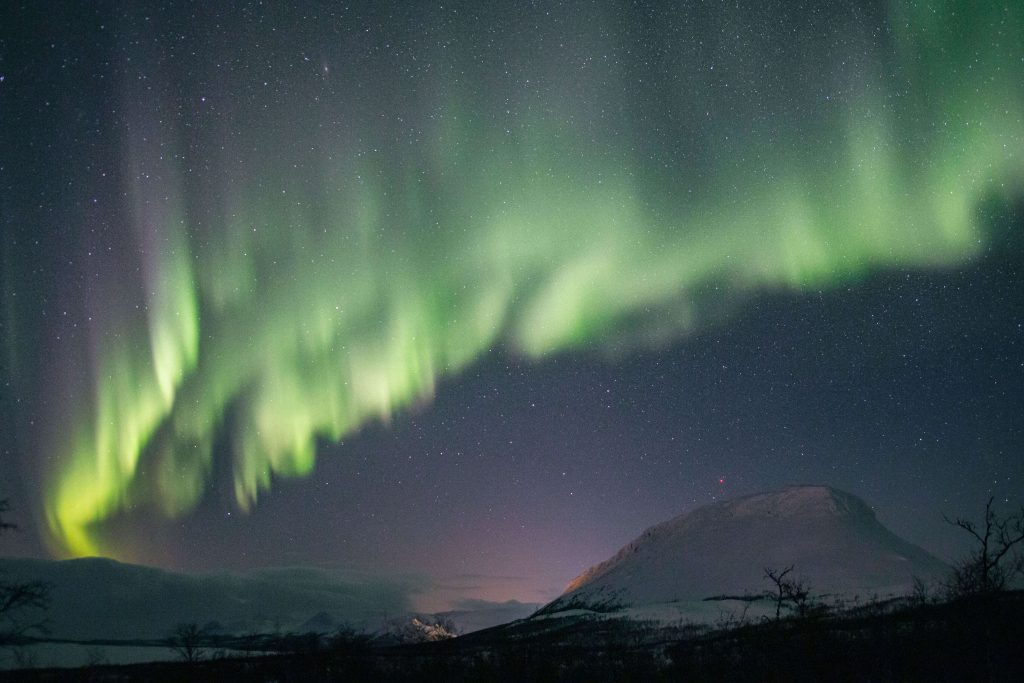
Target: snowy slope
[[832, 538]]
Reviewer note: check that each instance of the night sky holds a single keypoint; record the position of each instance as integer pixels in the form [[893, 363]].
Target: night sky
[[478, 293]]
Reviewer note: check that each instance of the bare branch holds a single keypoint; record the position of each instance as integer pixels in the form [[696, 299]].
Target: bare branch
[[775, 576], [964, 524], [187, 642], [5, 506], [984, 570], [20, 602], [1009, 539], [786, 590], [16, 596]]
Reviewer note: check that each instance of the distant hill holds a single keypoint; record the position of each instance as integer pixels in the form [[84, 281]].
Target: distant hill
[[101, 598], [832, 538]]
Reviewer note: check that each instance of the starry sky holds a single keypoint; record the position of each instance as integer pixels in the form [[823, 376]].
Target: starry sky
[[478, 293]]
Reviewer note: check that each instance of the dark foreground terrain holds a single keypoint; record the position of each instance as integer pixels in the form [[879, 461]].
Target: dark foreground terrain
[[971, 639]]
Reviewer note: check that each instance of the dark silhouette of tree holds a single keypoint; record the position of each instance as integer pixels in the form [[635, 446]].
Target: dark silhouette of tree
[[20, 602], [186, 641], [787, 591], [5, 506], [920, 593], [988, 567]]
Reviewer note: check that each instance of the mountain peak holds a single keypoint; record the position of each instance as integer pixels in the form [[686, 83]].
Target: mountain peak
[[831, 537], [799, 500]]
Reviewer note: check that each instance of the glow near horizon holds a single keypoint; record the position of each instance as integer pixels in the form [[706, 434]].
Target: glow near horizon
[[302, 310]]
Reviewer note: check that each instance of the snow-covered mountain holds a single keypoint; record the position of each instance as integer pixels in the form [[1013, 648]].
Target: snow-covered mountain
[[832, 538]]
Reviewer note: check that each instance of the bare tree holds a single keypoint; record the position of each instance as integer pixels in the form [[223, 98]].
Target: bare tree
[[20, 602], [988, 567], [920, 593], [5, 506], [787, 590], [186, 641], [95, 656]]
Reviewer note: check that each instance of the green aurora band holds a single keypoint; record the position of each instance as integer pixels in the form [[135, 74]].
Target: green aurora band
[[318, 266]]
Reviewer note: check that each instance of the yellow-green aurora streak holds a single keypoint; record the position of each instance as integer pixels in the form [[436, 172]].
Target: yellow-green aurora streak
[[323, 284]]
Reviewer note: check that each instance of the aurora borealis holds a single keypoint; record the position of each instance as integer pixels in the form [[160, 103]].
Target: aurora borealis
[[266, 230]]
